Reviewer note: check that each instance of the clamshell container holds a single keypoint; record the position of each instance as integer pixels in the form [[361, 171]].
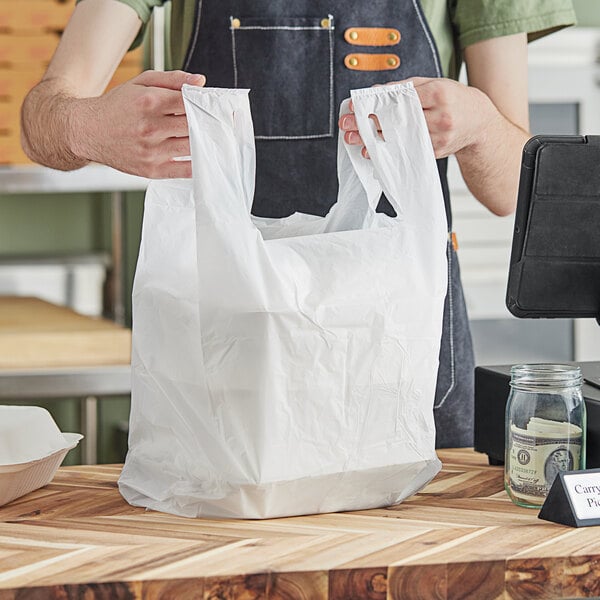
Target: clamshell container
[[32, 448]]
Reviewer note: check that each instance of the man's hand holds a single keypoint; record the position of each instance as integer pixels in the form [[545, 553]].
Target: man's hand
[[457, 116], [484, 124], [138, 127]]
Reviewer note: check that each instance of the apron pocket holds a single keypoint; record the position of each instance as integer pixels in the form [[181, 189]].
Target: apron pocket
[[287, 63]]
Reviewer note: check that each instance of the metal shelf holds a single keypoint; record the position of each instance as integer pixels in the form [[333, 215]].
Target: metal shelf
[[33, 179], [63, 382]]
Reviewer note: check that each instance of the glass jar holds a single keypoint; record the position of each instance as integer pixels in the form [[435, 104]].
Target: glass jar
[[545, 430]]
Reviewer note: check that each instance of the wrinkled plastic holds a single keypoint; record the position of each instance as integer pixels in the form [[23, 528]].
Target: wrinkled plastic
[[288, 366]]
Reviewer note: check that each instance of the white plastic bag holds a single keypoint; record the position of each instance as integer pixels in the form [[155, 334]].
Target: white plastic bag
[[292, 371]]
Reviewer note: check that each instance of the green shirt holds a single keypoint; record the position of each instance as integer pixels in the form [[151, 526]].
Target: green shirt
[[455, 24]]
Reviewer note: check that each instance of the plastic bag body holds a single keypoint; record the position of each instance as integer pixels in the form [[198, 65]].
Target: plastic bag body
[[288, 366]]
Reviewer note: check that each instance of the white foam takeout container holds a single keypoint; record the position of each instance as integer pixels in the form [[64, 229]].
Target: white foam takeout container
[[32, 447]]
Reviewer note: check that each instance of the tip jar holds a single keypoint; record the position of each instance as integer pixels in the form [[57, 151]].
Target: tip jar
[[545, 430]]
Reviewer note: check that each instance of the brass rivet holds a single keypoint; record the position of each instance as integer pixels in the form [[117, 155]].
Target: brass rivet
[[235, 23], [393, 36], [392, 61], [353, 61], [353, 35], [325, 23]]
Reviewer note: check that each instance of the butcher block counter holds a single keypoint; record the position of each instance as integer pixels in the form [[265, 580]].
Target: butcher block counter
[[461, 537]]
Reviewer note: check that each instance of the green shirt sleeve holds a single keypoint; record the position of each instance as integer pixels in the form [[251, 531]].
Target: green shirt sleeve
[[478, 20], [143, 8]]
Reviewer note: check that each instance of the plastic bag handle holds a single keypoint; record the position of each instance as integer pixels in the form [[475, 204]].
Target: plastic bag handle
[[404, 152], [402, 161], [351, 155], [358, 191], [223, 154]]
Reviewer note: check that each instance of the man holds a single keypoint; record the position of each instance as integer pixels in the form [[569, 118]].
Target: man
[[300, 60]]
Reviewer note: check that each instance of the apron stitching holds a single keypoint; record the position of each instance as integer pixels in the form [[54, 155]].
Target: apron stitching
[[293, 137], [429, 40], [285, 27], [451, 332], [192, 47], [234, 57], [331, 92]]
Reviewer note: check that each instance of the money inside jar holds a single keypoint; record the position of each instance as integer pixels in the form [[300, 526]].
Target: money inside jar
[[538, 453]]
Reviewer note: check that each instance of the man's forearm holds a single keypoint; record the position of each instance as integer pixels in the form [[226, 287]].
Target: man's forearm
[[47, 128], [491, 167], [490, 162]]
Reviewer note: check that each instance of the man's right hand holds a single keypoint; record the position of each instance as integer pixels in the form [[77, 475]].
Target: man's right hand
[[138, 127]]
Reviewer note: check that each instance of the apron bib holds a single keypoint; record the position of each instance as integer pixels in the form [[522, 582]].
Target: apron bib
[[300, 60]]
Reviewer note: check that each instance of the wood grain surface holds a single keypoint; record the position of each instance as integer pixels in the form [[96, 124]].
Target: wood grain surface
[[459, 538], [38, 334]]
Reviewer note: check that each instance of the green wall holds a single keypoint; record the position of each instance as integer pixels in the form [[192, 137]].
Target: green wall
[[52, 223], [588, 12]]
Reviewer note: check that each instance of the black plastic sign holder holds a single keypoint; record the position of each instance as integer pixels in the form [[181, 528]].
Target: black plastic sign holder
[[560, 505]]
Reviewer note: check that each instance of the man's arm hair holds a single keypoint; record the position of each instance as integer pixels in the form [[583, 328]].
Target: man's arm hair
[[491, 166], [55, 114]]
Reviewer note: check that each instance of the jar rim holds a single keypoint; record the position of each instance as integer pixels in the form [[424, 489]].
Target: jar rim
[[546, 374], [546, 368]]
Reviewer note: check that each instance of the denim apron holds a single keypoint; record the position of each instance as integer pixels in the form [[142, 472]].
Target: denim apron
[[300, 60]]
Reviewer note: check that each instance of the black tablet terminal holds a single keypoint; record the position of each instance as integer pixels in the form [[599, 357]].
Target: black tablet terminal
[[555, 260]]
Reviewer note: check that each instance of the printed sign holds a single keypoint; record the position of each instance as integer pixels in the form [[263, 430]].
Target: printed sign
[[574, 499], [584, 490]]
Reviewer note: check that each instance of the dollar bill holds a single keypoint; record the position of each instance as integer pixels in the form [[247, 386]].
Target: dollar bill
[[538, 453], [540, 426]]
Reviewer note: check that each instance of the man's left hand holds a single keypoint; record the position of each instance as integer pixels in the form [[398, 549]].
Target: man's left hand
[[457, 115]]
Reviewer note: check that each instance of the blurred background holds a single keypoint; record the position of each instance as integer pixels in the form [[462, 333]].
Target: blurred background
[[72, 240]]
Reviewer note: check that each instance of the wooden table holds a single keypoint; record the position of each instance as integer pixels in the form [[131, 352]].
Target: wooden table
[[461, 537]]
